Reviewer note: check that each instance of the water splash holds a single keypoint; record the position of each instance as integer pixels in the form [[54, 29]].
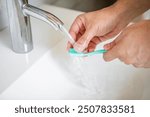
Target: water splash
[[81, 69]]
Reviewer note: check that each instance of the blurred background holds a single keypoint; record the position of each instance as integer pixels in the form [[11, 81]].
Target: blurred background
[[81, 5]]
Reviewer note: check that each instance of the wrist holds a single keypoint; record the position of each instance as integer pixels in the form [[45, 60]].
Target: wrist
[[130, 9]]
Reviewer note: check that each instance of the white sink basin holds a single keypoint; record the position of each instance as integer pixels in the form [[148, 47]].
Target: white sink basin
[[49, 72], [56, 75]]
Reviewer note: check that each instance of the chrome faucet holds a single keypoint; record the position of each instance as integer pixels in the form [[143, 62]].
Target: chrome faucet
[[19, 12]]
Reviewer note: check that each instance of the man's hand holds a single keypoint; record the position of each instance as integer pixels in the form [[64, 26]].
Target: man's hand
[[132, 46], [90, 29]]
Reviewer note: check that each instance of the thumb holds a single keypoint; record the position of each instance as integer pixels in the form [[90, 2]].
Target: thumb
[[84, 41], [110, 45], [112, 51]]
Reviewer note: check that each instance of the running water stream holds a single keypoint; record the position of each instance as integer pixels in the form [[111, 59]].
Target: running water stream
[[82, 69], [67, 35]]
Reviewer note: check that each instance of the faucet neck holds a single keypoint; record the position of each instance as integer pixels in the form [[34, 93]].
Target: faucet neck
[[19, 17], [20, 27]]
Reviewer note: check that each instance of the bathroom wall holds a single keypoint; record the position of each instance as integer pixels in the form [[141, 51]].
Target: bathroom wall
[[38, 2], [82, 5]]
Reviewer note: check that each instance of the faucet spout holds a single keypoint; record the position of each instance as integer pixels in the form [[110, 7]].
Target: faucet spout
[[19, 12], [45, 16]]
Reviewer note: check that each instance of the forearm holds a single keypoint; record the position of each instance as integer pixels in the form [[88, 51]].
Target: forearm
[[131, 8]]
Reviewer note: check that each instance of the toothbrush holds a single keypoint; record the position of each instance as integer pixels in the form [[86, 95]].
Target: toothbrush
[[72, 52]]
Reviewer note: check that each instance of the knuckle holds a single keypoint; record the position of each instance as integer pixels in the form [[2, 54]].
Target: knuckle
[[106, 57], [138, 65], [79, 17], [121, 59], [120, 54], [128, 61]]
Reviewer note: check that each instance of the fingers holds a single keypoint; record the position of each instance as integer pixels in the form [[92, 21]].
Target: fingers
[[76, 30], [93, 43], [91, 47], [77, 26], [115, 50], [109, 45], [112, 52], [83, 42], [111, 34], [69, 45], [96, 40]]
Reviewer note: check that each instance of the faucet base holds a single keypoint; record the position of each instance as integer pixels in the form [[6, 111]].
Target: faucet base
[[23, 50]]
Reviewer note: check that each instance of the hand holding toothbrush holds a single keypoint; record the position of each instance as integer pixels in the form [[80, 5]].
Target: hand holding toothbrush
[[90, 29], [132, 46]]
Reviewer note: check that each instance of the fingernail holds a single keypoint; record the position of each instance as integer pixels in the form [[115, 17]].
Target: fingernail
[[78, 47], [107, 47]]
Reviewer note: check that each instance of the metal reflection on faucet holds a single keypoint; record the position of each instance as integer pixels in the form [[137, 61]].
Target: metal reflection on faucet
[[19, 12]]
